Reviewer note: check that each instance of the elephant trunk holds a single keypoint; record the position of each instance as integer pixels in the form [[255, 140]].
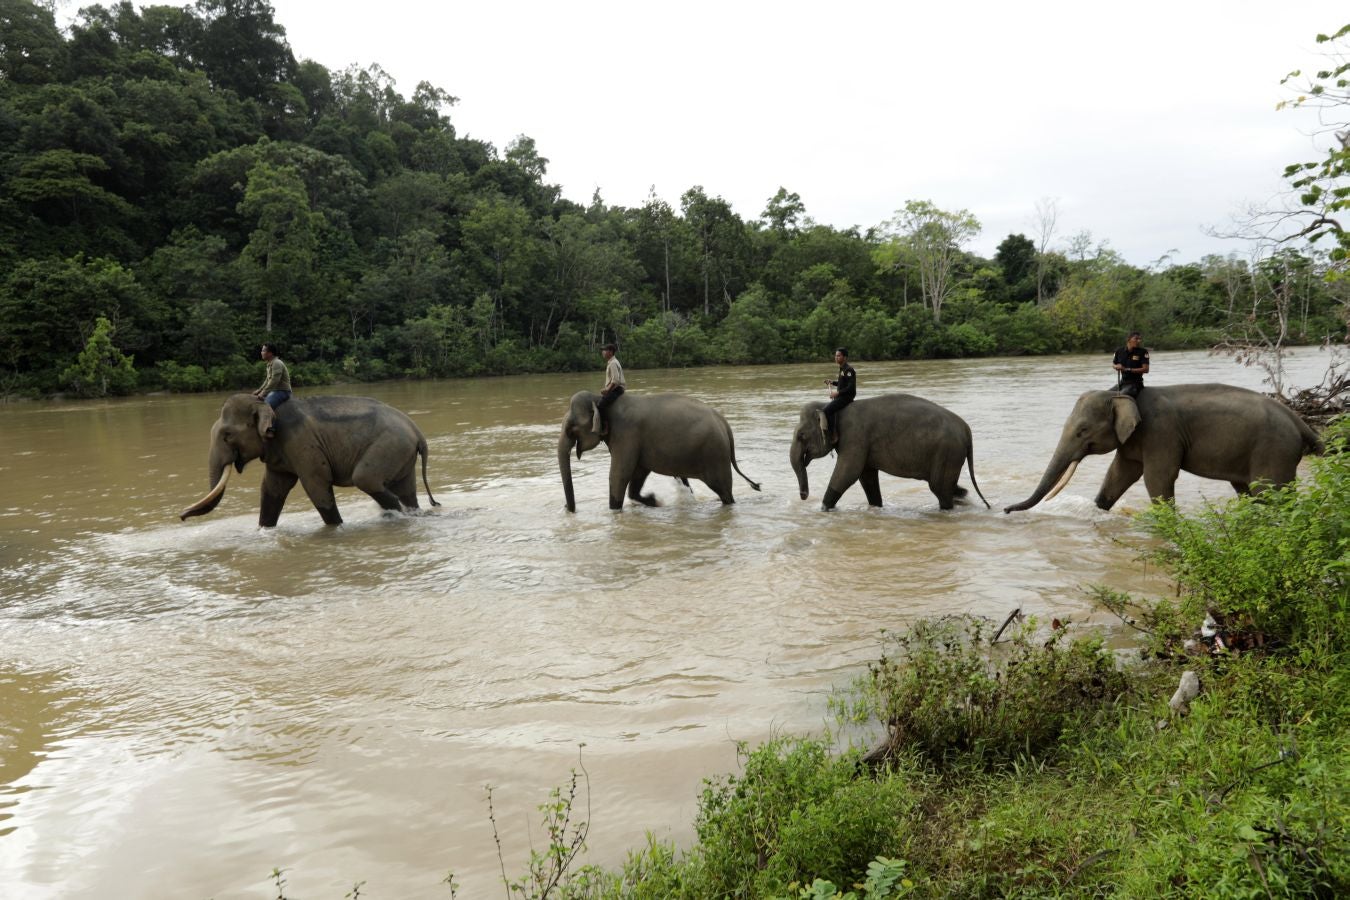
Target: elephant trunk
[[799, 461], [220, 476], [565, 443], [1056, 477]]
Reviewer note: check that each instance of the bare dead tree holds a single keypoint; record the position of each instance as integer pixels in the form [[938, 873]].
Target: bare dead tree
[[1047, 213]]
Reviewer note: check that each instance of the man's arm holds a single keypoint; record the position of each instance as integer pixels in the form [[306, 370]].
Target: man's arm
[[267, 381]]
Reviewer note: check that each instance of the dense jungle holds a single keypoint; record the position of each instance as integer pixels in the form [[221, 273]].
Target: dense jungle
[[176, 186]]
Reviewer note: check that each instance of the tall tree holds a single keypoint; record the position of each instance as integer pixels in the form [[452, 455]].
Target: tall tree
[[240, 46], [31, 48], [784, 211], [279, 257], [935, 237], [1047, 214], [1017, 258], [656, 228], [719, 235]]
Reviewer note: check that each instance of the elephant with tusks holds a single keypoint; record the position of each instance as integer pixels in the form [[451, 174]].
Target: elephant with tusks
[[320, 442], [1212, 430]]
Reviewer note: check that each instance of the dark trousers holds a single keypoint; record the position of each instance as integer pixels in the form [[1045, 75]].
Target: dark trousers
[[832, 409], [1130, 388], [605, 401]]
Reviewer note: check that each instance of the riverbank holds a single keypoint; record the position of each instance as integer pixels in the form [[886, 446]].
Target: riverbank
[[1039, 764]]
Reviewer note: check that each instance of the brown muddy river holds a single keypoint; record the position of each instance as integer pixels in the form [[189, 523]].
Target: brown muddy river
[[184, 707]]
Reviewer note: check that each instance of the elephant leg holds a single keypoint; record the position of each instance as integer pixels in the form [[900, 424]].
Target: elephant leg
[[620, 474], [1161, 481], [946, 498], [718, 479], [959, 492], [406, 490], [835, 491], [871, 486], [321, 495], [371, 479], [1241, 487], [275, 487], [1119, 476], [635, 489]]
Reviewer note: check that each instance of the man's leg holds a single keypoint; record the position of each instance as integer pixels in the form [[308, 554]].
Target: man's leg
[[831, 413], [605, 401], [275, 399]]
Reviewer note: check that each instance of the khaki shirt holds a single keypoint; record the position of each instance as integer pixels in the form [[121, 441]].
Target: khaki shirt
[[614, 374], [278, 379]]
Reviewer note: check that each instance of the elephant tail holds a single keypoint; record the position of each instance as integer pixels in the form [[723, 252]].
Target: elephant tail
[[1312, 441], [422, 452], [731, 447], [970, 466]]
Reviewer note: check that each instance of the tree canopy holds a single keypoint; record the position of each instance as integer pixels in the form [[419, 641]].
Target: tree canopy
[[178, 173]]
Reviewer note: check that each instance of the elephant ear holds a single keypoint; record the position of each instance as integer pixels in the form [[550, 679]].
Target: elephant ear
[[595, 418], [1124, 416], [266, 418]]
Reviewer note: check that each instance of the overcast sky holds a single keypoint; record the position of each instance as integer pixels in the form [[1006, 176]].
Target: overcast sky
[[1147, 121]]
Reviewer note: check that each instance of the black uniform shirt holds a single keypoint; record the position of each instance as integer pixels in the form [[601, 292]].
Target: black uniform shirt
[[847, 385], [1131, 359]]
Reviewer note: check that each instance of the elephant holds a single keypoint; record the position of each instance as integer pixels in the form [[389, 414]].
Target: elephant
[[1211, 430], [668, 434], [320, 442], [898, 434]]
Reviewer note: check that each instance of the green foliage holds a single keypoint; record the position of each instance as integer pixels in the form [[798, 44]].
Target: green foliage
[[101, 369], [178, 171], [1324, 185], [885, 879], [1276, 563], [796, 813], [952, 691]]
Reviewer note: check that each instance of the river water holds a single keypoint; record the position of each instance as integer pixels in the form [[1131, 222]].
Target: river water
[[185, 706]]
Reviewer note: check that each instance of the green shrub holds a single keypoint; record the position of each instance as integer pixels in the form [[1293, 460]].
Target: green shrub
[[310, 374], [949, 691], [1274, 564], [182, 379], [795, 814], [101, 369]]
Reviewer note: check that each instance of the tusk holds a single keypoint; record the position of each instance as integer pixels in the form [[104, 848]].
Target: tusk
[[1063, 480], [207, 503]]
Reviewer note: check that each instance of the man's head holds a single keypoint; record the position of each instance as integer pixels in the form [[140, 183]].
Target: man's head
[[1133, 340], [841, 355], [609, 350], [269, 350]]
